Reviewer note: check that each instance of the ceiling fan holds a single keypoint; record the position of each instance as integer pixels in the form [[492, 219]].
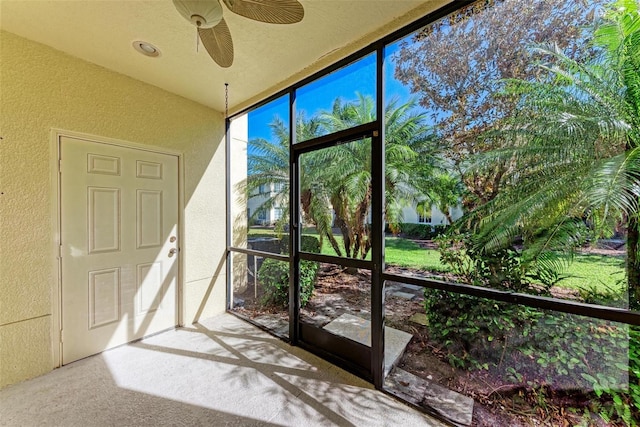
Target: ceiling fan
[[213, 31]]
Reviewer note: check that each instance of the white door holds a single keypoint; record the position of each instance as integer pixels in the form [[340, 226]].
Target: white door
[[119, 225]]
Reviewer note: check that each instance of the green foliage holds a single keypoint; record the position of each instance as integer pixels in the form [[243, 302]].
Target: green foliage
[[274, 275], [310, 244], [634, 371], [418, 231], [572, 144], [616, 295], [542, 350], [473, 330], [620, 403], [500, 269], [456, 65], [307, 244], [335, 183]]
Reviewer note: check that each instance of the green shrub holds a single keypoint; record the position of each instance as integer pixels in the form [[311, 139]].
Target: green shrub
[[310, 244], [616, 404], [274, 275], [416, 231], [473, 331], [542, 350], [502, 269], [307, 244], [610, 296]]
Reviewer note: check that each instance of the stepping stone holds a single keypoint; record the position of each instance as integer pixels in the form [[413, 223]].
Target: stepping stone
[[359, 330], [404, 295], [455, 407], [273, 323], [393, 288], [419, 318], [413, 287]]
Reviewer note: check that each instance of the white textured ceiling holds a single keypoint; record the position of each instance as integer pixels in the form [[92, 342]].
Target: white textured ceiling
[[266, 56]]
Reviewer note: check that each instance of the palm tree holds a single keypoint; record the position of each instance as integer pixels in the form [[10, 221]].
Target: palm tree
[[410, 159], [444, 190], [335, 186], [573, 148], [267, 164]]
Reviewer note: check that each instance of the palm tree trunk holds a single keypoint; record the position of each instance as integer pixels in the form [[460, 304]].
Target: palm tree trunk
[[447, 215], [363, 238], [334, 243], [633, 263]]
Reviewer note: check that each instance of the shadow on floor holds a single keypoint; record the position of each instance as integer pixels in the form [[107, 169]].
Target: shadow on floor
[[222, 371]]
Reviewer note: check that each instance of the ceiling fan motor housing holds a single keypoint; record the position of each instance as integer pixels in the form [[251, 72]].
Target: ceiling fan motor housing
[[201, 13]]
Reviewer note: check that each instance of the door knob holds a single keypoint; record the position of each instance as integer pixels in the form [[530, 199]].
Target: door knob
[[172, 252]]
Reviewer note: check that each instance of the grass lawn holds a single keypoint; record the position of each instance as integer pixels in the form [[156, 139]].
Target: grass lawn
[[587, 271], [405, 253], [602, 272]]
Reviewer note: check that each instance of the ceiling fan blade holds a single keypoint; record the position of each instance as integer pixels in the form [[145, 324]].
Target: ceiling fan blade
[[270, 11], [217, 41]]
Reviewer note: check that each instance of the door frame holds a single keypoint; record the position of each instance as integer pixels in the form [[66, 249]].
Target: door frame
[[56, 225], [366, 362]]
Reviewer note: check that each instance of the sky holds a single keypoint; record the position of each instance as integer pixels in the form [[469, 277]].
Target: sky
[[320, 94]]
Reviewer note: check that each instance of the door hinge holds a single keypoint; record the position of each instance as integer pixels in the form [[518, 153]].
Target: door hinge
[[61, 335], [60, 251], [59, 165]]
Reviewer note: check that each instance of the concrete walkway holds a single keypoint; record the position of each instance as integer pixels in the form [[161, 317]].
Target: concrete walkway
[[217, 373]]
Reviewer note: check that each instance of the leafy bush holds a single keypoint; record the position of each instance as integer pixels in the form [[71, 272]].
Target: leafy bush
[[611, 296], [542, 350], [501, 269], [473, 331], [275, 276], [307, 244], [616, 404], [310, 244], [417, 231]]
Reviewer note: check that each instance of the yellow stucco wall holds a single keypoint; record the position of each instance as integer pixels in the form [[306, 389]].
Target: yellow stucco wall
[[41, 89]]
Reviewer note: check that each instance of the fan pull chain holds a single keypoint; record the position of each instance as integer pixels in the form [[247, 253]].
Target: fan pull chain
[[197, 40], [226, 100]]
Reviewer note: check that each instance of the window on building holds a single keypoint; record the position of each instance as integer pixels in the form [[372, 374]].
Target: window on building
[[277, 213], [424, 218]]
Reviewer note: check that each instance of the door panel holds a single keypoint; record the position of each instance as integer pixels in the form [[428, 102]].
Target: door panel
[[104, 219], [149, 219], [335, 201], [119, 213], [104, 297]]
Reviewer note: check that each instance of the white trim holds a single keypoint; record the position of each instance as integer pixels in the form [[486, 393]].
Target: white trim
[[181, 302], [56, 297], [112, 141]]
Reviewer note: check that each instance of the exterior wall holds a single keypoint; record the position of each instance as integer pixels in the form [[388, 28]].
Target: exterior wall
[[256, 200], [409, 215], [41, 89], [239, 134]]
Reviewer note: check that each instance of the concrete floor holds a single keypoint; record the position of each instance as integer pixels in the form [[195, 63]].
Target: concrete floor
[[217, 373]]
